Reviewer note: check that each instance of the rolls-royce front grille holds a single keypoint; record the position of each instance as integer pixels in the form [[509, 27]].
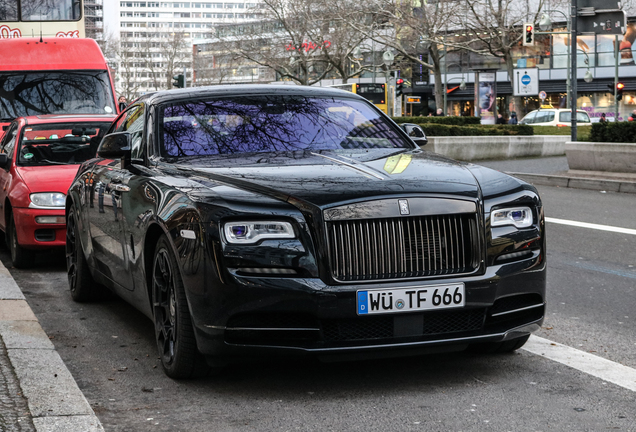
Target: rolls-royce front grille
[[405, 247]]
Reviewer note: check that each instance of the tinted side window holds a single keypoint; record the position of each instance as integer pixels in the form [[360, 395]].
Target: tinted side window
[[132, 121], [9, 139], [135, 125]]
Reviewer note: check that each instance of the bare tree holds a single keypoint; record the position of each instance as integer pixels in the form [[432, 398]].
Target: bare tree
[[495, 28], [127, 66], [218, 65], [301, 41], [410, 28], [176, 51]]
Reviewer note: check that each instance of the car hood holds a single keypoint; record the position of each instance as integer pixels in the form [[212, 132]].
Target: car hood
[[54, 178], [324, 178]]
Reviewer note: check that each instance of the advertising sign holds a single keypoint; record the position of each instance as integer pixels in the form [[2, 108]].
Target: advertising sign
[[487, 97]]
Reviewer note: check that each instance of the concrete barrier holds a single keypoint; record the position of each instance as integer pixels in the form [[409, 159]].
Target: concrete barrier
[[593, 156], [469, 148]]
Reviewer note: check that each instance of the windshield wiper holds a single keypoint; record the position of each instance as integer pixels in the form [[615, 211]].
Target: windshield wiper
[[50, 162]]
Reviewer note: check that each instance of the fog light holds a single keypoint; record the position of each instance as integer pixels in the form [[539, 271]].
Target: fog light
[[50, 219], [270, 270]]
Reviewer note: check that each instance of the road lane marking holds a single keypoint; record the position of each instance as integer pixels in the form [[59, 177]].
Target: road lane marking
[[590, 364], [592, 226]]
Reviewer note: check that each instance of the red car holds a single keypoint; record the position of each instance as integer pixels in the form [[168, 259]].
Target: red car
[[39, 157]]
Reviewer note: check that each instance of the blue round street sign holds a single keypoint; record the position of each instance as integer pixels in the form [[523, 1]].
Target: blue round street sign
[[525, 80]]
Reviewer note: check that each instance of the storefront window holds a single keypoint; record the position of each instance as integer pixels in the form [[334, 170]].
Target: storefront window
[[585, 50], [605, 47]]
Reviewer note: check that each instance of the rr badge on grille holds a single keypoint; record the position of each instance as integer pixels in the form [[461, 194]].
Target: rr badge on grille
[[404, 207]]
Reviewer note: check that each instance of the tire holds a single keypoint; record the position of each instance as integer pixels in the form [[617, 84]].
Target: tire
[[174, 333], [80, 281], [499, 347], [21, 257]]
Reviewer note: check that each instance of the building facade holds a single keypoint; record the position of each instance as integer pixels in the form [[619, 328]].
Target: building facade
[[549, 55], [156, 39]]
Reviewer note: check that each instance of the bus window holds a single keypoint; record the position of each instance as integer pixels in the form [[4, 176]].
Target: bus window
[[48, 18], [373, 92], [49, 10]]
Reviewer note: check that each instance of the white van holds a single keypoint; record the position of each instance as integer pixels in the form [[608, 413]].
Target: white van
[[555, 117]]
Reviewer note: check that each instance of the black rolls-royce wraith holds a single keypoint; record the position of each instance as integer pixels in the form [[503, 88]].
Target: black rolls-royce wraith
[[283, 220]]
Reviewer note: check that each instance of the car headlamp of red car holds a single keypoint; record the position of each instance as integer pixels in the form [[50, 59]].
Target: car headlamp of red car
[[47, 200]]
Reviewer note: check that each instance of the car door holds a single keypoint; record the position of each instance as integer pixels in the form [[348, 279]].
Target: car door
[[7, 145], [105, 212]]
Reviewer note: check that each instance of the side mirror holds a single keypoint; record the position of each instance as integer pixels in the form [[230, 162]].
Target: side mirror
[[4, 160], [115, 146], [415, 132]]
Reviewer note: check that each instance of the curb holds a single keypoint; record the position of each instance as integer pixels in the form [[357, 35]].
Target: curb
[[55, 401], [578, 182]]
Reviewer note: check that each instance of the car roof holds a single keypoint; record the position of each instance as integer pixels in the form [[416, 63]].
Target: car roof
[[53, 53], [557, 109], [244, 90], [66, 118]]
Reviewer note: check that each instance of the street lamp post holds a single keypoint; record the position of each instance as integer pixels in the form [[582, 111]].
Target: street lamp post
[[388, 58]]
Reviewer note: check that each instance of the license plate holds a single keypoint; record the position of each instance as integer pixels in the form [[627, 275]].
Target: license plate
[[411, 299]]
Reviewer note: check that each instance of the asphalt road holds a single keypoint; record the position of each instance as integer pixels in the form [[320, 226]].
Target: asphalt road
[[109, 349]]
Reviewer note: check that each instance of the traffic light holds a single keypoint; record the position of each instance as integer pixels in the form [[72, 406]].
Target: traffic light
[[399, 87], [619, 91], [528, 34], [178, 81]]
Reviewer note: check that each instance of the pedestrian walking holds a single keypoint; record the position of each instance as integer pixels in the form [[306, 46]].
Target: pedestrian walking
[[603, 120], [122, 103], [513, 118], [500, 119], [632, 116]]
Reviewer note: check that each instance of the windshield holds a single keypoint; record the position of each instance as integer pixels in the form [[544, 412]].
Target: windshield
[[60, 143], [271, 123], [51, 92]]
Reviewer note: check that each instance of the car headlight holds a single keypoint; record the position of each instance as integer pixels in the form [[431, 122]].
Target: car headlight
[[521, 217], [252, 232], [48, 199]]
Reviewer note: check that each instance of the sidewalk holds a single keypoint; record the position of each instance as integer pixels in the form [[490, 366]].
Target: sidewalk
[[39, 394], [37, 391], [554, 171]]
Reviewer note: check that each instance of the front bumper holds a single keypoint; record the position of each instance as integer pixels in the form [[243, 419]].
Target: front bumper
[[33, 235], [285, 316]]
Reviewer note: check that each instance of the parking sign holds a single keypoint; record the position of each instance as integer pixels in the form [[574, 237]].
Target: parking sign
[[526, 82]]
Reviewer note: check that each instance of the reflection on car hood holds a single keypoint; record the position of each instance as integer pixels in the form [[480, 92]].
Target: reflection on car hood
[[330, 177]]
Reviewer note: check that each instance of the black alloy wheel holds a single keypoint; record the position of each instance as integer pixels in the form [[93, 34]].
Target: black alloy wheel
[[21, 257], [80, 281], [173, 325]]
